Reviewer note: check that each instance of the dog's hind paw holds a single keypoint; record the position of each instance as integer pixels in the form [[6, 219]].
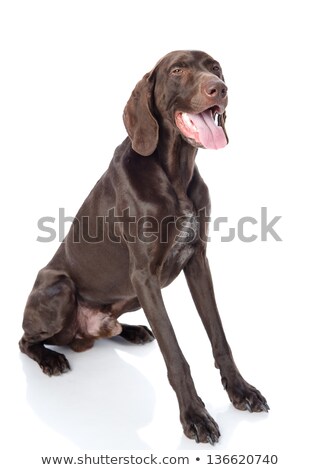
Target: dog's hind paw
[[54, 363], [136, 334]]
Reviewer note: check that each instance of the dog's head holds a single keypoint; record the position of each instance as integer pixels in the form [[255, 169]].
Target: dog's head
[[185, 92]]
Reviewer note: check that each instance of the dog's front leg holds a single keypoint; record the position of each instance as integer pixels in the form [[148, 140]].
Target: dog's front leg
[[243, 395], [196, 421]]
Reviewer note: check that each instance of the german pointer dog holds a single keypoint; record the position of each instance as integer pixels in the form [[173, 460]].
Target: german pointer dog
[[142, 224]]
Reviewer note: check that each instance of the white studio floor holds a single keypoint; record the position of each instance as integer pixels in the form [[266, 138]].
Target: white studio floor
[[69, 69]]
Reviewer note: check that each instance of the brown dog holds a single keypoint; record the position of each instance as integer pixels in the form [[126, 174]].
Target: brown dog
[[144, 222]]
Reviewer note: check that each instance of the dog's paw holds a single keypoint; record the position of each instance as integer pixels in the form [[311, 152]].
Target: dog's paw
[[199, 425], [137, 334], [244, 396], [54, 363]]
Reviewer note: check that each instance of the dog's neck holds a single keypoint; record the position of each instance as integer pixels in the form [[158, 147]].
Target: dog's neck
[[177, 160]]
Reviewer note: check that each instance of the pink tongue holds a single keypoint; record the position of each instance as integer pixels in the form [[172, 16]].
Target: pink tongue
[[211, 136]]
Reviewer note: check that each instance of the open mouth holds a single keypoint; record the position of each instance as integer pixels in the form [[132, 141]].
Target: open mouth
[[203, 128]]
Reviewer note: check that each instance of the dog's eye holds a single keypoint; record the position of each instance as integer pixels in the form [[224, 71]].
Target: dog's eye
[[216, 68], [177, 71]]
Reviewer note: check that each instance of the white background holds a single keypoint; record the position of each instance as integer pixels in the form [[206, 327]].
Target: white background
[[67, 70]]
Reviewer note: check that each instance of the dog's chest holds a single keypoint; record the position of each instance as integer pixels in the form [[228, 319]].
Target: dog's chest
[[183, 246]]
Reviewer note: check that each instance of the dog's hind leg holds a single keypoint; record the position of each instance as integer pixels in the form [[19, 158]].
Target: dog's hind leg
[[49, 317]]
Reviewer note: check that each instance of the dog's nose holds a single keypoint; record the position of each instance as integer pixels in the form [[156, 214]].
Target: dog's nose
[[216, 89]]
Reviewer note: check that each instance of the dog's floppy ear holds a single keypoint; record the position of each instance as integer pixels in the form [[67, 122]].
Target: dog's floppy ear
[[141, 125]]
